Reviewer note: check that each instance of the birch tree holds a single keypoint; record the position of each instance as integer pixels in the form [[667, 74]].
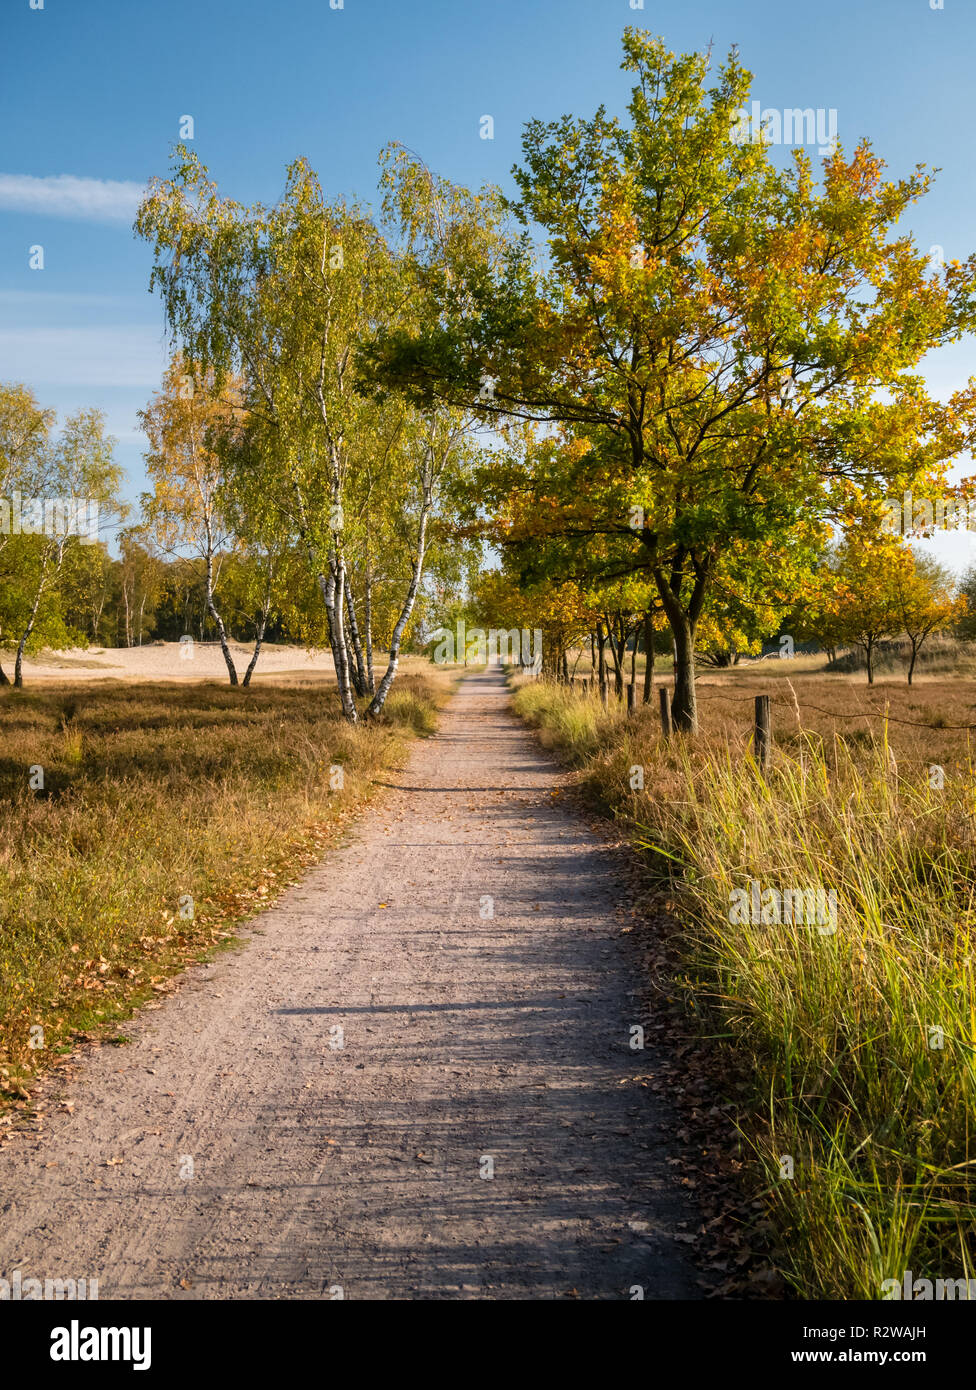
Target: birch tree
[[24, 434], [70, 487], [185, 511], [284, 297]]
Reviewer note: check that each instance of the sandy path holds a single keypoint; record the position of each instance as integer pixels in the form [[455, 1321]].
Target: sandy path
[[464, 1039]]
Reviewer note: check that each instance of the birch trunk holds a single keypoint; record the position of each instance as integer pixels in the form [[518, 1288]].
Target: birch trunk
[[332, 592], [359, 673], [19, 662], [219, 623], [368, 625], [367, 637], [258, 640], [327, 588], [97, 618], [379, 699]]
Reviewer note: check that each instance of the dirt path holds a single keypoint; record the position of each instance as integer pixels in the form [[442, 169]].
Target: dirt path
[[465, 1040]]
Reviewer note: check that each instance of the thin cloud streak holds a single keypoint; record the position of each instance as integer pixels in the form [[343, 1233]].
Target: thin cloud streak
[[64, 195]]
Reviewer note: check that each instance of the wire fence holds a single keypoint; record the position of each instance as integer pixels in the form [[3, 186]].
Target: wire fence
[[800, 706], [835, 714]]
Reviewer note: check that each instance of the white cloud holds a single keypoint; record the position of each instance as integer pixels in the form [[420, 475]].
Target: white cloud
[[63, 195]]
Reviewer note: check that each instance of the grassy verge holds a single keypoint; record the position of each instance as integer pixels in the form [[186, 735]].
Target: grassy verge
[[859, 1039], [167, 814]]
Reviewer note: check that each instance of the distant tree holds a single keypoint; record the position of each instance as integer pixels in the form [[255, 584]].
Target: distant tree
[[562, 613], [186, 510], [927, 602], [965, 626], [24, 435], [63, 474], [89, 590], [864, 608], [142, 575]]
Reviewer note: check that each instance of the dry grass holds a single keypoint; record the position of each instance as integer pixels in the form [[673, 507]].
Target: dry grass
[[922, 718], [861, 1040], [167, 814]]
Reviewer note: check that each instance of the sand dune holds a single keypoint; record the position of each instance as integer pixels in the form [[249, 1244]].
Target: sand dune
[[168, 661]]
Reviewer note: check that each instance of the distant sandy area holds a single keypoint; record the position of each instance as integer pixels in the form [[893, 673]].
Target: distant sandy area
[[168, 661]]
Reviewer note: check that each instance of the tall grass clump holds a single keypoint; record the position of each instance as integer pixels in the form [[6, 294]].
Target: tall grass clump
[[858, 1031], [574, 725]]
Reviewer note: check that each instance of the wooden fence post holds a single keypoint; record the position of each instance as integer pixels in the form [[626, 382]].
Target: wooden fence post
[[631, 698], [665, 699], [763, 735]]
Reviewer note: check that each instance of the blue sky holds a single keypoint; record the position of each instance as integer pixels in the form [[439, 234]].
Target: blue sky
[[93, 92]]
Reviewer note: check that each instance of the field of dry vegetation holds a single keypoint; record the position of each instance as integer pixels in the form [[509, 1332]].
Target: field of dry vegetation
[[859, 1040], [167, 814]]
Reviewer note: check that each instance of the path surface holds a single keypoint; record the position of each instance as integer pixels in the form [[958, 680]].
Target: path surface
[[465, 1040]]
